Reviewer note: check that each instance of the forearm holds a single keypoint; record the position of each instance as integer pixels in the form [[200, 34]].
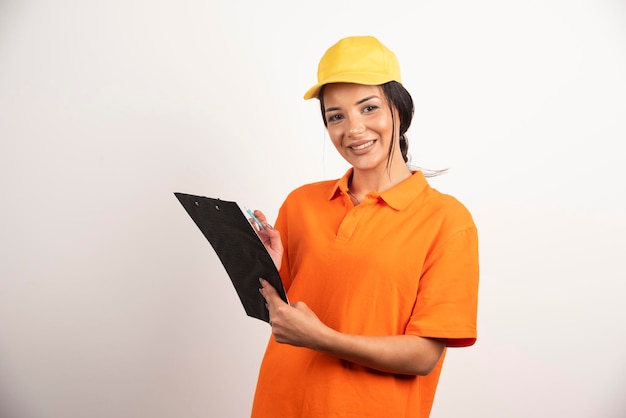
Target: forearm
[[297, 325], [402, 354]]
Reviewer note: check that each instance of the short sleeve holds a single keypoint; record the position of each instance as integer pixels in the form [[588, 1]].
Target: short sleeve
[[447, 296]]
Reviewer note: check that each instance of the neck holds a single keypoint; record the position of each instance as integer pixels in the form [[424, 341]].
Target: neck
[[365, 181]]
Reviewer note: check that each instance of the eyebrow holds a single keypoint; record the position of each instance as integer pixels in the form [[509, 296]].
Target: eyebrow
[[363, 100]]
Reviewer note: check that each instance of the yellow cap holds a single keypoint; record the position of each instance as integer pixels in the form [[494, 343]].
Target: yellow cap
[[356, 59]]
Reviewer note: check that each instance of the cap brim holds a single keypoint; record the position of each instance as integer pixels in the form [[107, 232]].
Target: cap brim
[[312, 92], [367, 79]]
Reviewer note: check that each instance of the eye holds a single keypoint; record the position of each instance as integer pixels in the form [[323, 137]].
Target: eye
[[334, 118], [369, 108]]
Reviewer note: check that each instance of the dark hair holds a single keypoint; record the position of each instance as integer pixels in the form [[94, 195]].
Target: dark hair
[[398, 99]]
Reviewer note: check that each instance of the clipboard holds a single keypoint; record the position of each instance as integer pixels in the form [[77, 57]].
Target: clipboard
[[238, 247]]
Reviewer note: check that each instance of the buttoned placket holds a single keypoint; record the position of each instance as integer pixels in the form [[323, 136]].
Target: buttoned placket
[[352, 219]]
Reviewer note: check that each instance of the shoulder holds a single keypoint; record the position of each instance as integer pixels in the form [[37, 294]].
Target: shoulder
[[311, 198], [450, 211], [452, 228], [311, 191]]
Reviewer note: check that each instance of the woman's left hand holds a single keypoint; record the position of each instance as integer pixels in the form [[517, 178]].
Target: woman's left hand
[[298, 325], [294, 324]]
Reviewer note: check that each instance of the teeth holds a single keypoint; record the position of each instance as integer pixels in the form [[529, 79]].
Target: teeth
[[362, 146]]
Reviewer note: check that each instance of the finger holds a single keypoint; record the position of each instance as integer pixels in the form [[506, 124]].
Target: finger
[[270, 294], [269, 229], [255, 226], [261, 217]]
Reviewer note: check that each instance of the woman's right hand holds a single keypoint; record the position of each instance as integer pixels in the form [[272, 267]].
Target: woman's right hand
[[270, 238]]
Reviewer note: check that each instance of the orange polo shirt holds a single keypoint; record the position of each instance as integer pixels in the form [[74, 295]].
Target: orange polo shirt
[[404, 261]]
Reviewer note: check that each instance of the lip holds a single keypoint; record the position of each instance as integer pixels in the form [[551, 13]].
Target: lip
[[359, 147]]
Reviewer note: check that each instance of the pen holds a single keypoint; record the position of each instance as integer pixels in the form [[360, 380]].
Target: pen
[[256, 219]]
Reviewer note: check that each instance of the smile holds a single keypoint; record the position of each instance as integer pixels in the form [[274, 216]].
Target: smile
[[362, 146]]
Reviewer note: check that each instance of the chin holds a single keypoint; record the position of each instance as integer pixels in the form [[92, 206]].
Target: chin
[[369, 166]]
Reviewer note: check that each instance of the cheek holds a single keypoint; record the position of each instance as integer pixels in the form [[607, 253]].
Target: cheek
[[335, 137], [385, 127]]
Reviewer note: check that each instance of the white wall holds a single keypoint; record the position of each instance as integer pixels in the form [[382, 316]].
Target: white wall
[[112, 304]]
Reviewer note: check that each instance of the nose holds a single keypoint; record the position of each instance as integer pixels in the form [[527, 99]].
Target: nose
[[355, 126]]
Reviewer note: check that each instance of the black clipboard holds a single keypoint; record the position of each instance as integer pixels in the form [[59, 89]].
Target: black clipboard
[[238, 247]]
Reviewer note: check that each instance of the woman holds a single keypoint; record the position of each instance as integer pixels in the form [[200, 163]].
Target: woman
[[381, 269]]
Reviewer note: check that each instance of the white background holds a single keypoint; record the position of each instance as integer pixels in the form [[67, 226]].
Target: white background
[[112, 304]]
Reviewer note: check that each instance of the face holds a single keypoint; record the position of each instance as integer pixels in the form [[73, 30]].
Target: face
[[360, 125]]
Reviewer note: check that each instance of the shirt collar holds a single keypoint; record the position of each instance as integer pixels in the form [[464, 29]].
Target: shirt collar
[[398, 197]]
